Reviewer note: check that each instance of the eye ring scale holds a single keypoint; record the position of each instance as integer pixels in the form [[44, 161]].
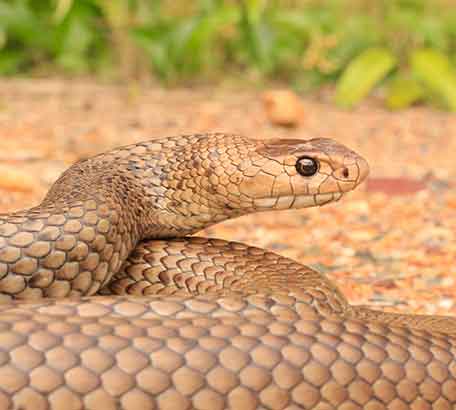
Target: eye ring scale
[[307, 166]]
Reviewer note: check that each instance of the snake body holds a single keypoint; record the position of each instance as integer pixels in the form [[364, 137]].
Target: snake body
[[193, 323]]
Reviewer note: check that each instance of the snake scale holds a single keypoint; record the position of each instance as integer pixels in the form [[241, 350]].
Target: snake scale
[[191, 323]]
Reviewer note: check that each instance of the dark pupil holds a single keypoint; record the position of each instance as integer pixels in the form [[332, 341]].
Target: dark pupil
[[307, 166]]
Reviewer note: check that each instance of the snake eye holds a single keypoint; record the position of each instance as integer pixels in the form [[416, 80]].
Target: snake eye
[[306, 166]]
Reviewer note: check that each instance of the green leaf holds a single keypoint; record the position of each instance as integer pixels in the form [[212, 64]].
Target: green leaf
[[362, 74], [403, 92], [434, 69], [10, 61], [301, 23], [63, 7], [156, 42], [77, 38], [185, 46], [26, 26], [193, 42], [75, 45], [257, 36]]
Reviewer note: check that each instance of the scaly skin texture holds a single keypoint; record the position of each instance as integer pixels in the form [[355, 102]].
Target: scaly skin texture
[[100, 208], [221, 325], [199, 266], [273, 351]]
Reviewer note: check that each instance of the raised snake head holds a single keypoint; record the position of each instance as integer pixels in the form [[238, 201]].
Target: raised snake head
[[176, 186], [298, 174], [212, 177]]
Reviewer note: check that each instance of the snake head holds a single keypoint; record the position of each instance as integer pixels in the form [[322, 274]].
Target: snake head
[[194, 181], [292, 173]]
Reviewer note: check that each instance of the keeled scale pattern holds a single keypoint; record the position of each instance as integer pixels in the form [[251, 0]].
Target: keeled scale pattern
[[196, 266], [195, 353], [289, 349], [59, 252], [100, 208]]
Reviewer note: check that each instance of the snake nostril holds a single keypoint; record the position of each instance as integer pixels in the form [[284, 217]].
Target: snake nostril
[[345, 173]]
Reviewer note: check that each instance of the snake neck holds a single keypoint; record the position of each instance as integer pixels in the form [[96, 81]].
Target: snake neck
[[176, 186], [149, 192]]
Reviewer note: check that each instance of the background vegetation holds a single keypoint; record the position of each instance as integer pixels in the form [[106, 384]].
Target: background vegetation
[[406, 46]]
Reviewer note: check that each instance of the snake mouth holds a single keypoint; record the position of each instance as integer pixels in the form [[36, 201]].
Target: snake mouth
[[296, 201]]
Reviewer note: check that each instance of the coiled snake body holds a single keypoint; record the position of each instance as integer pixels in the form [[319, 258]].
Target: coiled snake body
[[198, 323]]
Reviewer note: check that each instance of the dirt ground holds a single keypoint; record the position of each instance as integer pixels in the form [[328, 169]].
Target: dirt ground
[[391, 243]]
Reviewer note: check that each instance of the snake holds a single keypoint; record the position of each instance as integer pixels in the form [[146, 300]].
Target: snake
[[108, 302]]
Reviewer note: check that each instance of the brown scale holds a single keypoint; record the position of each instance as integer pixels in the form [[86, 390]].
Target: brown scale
[[198, 323], [199, 266]]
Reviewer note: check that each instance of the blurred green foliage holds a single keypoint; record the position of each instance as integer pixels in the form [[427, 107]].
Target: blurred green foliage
[[408, 45]]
